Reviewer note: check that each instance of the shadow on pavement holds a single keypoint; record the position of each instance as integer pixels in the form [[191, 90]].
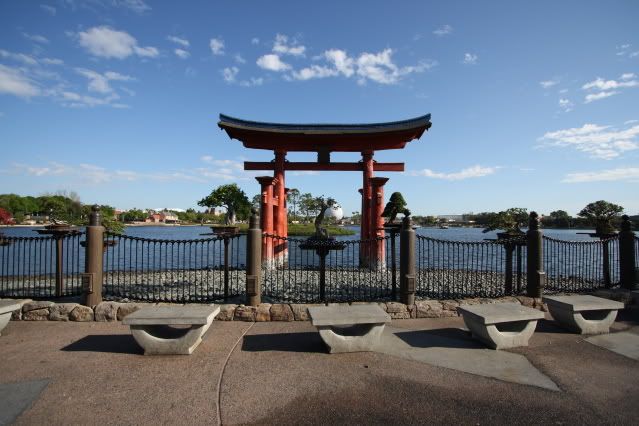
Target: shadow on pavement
[[113, 343], [440, 338], [550, 326], [285, 342]]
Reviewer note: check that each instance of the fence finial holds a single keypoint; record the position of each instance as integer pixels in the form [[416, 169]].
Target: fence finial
[[95, 217], [254, 221], [533, 221]]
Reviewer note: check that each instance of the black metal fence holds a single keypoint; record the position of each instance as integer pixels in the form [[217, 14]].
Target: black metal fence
[[456, 269], [199, 270], [330, 271], [41, 267], [579, 266]]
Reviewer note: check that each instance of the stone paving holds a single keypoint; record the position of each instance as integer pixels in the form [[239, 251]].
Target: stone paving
[[428, 370]]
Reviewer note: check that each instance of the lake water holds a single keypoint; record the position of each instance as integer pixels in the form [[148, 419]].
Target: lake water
[[195, 232]]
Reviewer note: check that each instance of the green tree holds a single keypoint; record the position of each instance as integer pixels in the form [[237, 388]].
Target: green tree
[[293, 197], [230, 197], [560, 219], [256, 202], [307, 205], [396, 204], [134, 215], [510, 221], [600, 214]]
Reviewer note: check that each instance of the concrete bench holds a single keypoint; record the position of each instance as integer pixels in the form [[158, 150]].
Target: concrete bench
[[501, 325], [356, 328], [583, 314], [6, 309], [152, 328]]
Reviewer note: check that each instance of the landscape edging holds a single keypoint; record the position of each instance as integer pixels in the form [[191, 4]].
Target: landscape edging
[[115, 311]]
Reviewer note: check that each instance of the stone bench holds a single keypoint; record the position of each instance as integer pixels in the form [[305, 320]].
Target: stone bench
[[583, 314], [356, 328], [501, 325], [6, 309], [152, 328]]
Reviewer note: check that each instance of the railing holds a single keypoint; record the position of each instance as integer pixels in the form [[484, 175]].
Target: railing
[[636, 251], [41, 267], [578, 266], [456, 269], [330, 271], [201, 270]]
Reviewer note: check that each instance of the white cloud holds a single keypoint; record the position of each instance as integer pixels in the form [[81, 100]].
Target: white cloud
[[255, 40], [217, 46], [380, 68], [340, 61], [470, 59], [600, 142], [597, 96], [178, 40], [14, 82], [634, 54], [272, 62], [314, 71], [605, 88], [100, 82], [467, 173], [630, 121], [19, 57], [48, 9], [443, 30], [239, 59], [137, 6], [36, 37], [52, 61], [547, 84], [601, 84], [281, 46], [566, 105], [181, 53], [75, 100], [252, 82], [230, 73], [620, 174], [106, 42]]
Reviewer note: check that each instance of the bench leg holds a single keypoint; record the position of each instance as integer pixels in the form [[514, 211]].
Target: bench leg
[[598, 323], [512, 334], [4, 320], [151, 339], [357, 338]]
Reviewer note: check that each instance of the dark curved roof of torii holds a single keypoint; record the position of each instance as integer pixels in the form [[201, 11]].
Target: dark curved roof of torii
[[325, 137]]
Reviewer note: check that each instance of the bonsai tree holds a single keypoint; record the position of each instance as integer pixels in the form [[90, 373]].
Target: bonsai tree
[[395, 205], [230, 197], [321, 204], [510, 221], [601, 213]]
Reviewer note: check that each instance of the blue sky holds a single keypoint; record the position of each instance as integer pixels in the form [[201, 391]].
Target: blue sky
[[534, 104]]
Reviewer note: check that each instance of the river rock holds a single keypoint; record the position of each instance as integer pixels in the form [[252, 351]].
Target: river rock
[[227, 312], [263, 312], [282, 312], [245, 313], [81, 314], [61, 311], [428, 309], [36, 315], [107, 311], [32, 306], [397, 310]]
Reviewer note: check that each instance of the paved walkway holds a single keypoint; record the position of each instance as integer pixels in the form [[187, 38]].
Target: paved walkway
[[429, 371]]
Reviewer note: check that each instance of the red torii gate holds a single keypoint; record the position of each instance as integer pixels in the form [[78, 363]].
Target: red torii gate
[[323, 139]]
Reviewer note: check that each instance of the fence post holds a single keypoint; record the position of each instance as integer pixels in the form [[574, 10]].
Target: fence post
[[627, 254], [254, 261], [407, 262], [94, 252], [534, 256]]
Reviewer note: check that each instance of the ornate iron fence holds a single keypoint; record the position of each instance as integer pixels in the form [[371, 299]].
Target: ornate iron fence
[[577, 266], [330, 271], [456, 269], [200, 270], [41, 267]]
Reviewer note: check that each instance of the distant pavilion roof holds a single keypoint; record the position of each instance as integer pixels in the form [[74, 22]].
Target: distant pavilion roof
[[325, 137]]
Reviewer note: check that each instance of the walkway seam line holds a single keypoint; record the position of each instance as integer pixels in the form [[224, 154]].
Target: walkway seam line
[[219, 382]]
